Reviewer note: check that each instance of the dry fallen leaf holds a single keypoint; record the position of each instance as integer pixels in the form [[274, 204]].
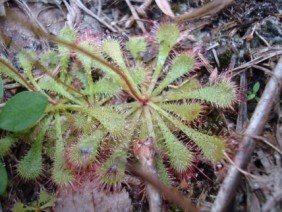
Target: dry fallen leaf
[[88, 197], [213, 76], [165, 7]]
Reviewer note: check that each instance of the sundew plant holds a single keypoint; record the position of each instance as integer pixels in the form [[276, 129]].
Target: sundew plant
[[94, 97]]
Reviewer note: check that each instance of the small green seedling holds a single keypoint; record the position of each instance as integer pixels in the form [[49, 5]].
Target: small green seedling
[[44, 201], [252, 94]]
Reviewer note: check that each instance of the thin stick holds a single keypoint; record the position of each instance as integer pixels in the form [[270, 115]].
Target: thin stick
[[257, 122], [243, 171], [208, 9], [265, 141], [135, 15], [89, 12], [141, 9], [170, 194], [146, 154]]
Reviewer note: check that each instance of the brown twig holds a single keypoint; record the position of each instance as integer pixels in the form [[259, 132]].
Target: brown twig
[[136, 17], [256, 125], [242, 115], [265, 54], [170, 194], [141, 9], [89, 12], [146, 152], [208, 9]]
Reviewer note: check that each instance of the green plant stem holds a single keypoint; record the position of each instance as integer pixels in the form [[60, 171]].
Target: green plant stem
[[28, 85]]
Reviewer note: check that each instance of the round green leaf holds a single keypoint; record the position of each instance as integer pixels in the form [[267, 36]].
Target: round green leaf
[[3, 179], [23, 111]]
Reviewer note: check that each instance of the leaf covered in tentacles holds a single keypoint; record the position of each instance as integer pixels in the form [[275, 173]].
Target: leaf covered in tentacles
[[103, 97]]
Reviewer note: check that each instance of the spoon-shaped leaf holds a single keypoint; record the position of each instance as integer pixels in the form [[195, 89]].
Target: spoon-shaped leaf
[[181, 65]]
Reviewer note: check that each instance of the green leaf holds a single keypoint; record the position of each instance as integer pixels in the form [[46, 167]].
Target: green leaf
[[43, 197], [84, 152], [50, 203], [60, 174], [66, 34], [18, 207], [167, 36], [181, 65], [251, 96], [136, 45], [8, 72], [50, 59], [26, 59], [179, 93], [162, 172], [188, 112], [222, 94], [107, 87], [1, 89], [22, 111], [138, 74], [112, 171], [256, 87], [45, 200], [30, 167], [49, 84], [113, 50], [179, 156], [212, 147], [110, 119], [3, 178], [88, 62], [6, 144]]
